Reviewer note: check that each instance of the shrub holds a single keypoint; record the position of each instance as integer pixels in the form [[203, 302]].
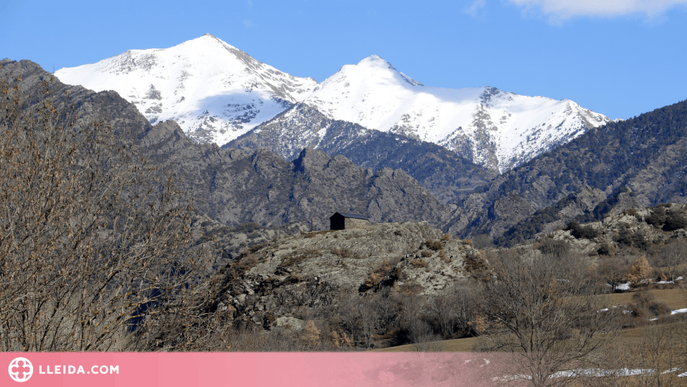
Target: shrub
[[659, 309], [604, 249], [656, 219], [434, 245], [582, 232], [555, 248], [639, 240], [624, 237], [674, 222], [640, 271], [644, 304]]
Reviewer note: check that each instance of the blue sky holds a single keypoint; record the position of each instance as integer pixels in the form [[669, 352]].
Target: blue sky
[[617, 57]]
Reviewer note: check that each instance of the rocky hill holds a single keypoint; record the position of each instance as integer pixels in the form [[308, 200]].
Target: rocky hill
[[275, 283], [638, 228]]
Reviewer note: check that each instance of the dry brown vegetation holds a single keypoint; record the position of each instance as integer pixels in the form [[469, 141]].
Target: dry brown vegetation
[[93, 241]]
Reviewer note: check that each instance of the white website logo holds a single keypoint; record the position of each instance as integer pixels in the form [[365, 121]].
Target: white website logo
[[20, 369]]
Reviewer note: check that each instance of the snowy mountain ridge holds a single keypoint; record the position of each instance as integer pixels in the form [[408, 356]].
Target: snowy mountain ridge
[[493, 128], [217, 93], [213, 90]]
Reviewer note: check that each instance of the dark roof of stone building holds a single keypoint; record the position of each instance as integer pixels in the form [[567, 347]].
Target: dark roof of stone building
[[345, 215]]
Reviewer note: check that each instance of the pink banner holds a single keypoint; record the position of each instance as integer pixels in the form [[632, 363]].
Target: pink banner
[[246, 369]]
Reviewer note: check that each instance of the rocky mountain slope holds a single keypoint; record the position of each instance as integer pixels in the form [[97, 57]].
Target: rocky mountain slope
[[643, 155], [638, 228], [444, 174], [217, 92], [236, 187]]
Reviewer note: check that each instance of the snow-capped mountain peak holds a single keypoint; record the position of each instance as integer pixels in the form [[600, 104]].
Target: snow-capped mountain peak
[[491, 127], [377, 63], [371, 69], [215, 91]]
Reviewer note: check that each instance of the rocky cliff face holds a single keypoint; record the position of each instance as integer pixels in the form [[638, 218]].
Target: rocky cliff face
[[310, 270]]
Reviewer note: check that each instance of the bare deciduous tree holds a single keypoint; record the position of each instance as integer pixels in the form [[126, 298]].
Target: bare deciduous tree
[[673, 256], [613, 270], [92, 240], [544, 313], [453, 310]]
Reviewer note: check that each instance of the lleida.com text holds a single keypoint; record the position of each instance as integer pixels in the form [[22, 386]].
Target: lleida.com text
[[78, 370]]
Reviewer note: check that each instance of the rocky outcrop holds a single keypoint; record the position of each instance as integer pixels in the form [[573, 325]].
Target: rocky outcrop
[[314, 270], [635, 228]]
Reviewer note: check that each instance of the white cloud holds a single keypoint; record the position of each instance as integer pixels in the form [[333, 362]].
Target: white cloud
[[565, 9], [475, 6], [248, 24]]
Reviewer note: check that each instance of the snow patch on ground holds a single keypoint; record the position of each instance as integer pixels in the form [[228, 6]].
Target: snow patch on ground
[[593, 372]]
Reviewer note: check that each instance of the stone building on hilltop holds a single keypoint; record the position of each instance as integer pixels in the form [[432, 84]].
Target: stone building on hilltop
[[341, 221]]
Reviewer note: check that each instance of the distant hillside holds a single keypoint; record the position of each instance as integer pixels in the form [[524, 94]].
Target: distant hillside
[[445, 174], [235, 187], [645, 155]]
